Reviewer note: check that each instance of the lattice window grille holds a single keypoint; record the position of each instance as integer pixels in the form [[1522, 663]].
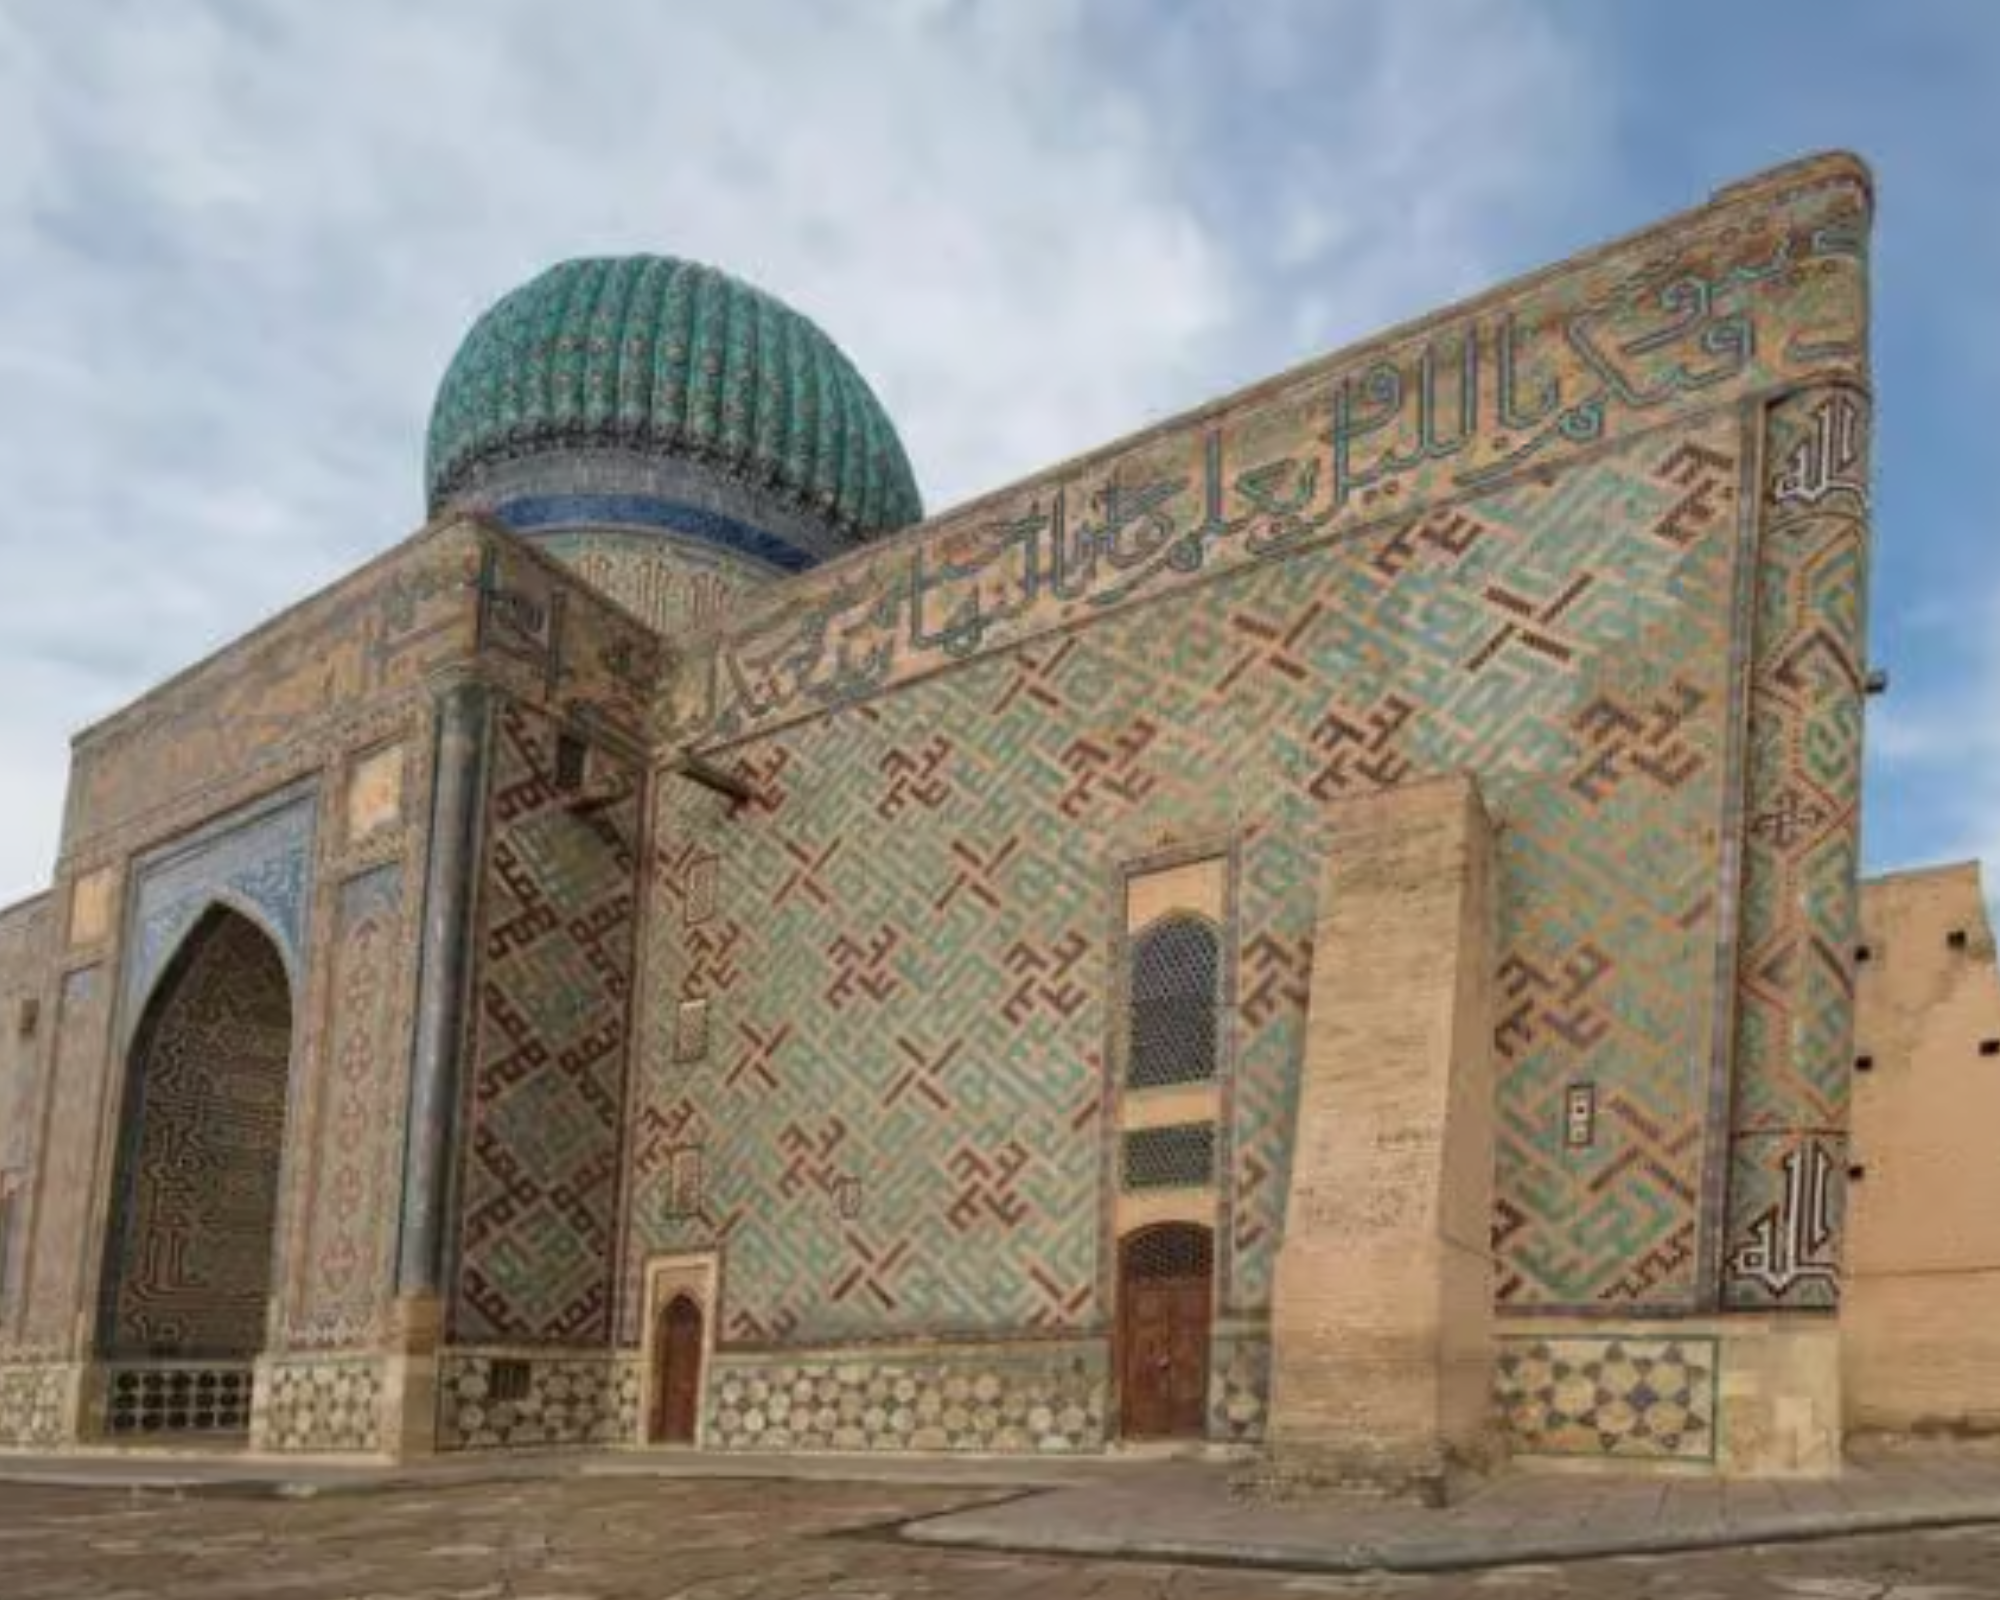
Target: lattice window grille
[[1178, 1250], [179, 1400], [1178, 1157], [1176, 972]]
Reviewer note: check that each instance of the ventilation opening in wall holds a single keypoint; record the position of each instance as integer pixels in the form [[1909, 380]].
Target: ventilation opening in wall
[[507, 1379], [1989, 1047], [27, 1018], [572, 762], [1179, 1157], [1863, 954], [1956, 939]]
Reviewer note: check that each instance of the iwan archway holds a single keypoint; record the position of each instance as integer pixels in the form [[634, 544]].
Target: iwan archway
[[192, 1229]]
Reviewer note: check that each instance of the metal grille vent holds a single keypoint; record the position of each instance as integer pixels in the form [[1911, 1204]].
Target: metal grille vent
[[1177, 1250], [1178, 1157], [1176, 967], [508, 1379]]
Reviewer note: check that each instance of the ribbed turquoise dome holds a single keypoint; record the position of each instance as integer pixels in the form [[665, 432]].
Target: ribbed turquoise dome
[[659, 356]]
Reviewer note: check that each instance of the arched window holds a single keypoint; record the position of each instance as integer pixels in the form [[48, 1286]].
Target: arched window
[[1175, 982]]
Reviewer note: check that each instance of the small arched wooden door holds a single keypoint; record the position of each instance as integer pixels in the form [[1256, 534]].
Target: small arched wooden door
[[1165, 1285], [676, 1371]]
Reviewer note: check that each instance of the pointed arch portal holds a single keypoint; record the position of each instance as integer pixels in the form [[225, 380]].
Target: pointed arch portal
[[193, 1225]]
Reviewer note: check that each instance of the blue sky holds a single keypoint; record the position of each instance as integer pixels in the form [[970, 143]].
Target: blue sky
[[238, 242]]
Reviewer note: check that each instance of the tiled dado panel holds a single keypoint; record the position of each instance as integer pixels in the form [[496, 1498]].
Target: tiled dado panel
[[35, 1405], [902, 943], [1028, 1397], [570, 1400], [1239, 1387], [331, 1406], [1639, 1397]]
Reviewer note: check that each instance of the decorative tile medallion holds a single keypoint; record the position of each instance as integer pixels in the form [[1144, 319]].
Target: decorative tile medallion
[[1652, 1398]]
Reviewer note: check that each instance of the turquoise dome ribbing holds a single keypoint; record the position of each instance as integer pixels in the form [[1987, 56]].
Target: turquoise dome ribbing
[[657, 355]]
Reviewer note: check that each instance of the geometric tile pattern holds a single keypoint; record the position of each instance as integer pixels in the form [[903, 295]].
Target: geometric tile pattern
[[906, 982], [570, 1400], [669, 586], [322, 1406], [1034, 1397], [1795, 987], [1513, 542], [1746, 298], [262, 865], [357, 1125], [540, 1141], [34, 1405], [551, 642], [1640, 1398], [275, 698], [202, 1133]]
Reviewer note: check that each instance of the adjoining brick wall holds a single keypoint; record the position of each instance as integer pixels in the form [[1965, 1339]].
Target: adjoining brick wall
[[1921, 1320]]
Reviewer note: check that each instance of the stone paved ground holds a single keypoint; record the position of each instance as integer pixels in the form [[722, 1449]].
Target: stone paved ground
[[581, 1538]]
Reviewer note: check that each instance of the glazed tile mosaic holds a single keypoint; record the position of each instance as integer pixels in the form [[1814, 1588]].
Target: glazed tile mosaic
[[565, 1400], [679, 864], [1029, 1399], [322, 1406], [1642, 1398]]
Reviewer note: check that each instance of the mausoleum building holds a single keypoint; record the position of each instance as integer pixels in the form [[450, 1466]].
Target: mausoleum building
[[1327, 927]]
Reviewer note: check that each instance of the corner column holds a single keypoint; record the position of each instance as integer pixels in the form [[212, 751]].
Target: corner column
[[443, 983], [1788, 1148]]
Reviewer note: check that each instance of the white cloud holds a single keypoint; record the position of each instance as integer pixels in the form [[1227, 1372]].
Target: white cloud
[[1937, 745], [240, 242]]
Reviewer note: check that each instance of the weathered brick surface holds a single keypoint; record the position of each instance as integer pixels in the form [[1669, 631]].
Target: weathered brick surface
[[1921, 1324], [1382, 1317]]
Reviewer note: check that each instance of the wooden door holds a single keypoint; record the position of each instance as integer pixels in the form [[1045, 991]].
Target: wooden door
[[677, 1372], [1165, 1288]]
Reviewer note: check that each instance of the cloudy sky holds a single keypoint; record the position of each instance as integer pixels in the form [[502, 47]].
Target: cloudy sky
[[240, 238]]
